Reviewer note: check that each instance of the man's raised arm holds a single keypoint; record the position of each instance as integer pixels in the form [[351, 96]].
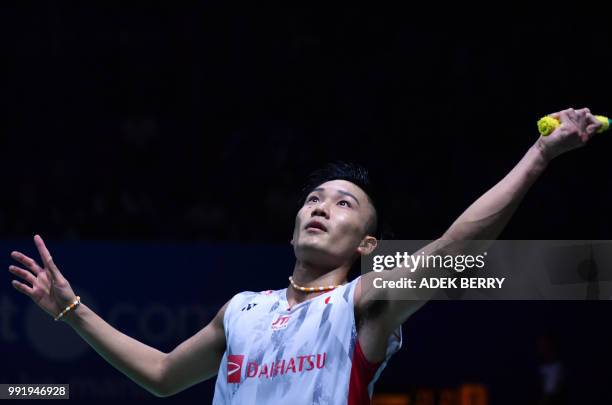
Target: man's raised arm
[[484, 219]]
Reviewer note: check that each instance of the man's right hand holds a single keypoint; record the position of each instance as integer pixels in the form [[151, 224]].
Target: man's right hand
[[162, 374], [49, 289], [576, 129]]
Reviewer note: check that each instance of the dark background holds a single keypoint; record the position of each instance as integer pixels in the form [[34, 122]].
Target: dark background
[[129, 128]]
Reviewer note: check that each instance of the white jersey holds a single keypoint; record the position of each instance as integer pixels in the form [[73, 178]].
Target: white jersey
[[307, 354]]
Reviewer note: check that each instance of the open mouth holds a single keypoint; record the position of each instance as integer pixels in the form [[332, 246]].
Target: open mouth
[[316, 226]]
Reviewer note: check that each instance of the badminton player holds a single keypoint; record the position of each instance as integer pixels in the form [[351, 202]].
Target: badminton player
[[324, 339]]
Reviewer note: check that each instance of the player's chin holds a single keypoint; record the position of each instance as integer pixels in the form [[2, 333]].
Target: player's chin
[[311, 241], [315, 252], [314, 242]]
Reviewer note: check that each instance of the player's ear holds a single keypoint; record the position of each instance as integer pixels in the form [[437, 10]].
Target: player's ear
[[367, 245]]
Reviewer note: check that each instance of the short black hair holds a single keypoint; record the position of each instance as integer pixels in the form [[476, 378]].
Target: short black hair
[[359, 176]]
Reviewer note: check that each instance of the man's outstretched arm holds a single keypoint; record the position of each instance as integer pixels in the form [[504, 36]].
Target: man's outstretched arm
[[483, 220], [488, 215], [162, 374]]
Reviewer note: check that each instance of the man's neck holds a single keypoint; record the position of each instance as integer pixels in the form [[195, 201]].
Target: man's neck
[[306, 275]]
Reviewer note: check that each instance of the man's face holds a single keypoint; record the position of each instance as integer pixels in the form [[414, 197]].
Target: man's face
[[332, 223]]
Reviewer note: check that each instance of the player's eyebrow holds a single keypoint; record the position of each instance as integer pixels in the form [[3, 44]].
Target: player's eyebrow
[[346, 193]]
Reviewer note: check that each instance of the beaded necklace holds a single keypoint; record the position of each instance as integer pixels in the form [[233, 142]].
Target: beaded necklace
[[312, 289]]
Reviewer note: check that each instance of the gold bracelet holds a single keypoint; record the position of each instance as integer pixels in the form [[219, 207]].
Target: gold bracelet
[[69, 308]]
